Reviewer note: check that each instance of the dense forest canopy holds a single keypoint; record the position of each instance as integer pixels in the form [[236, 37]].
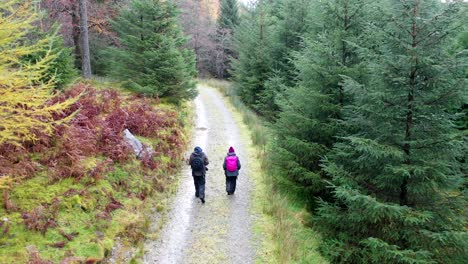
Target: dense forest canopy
[[367, 101]]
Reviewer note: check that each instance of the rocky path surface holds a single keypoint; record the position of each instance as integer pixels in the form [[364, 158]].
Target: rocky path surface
[[219, 231]]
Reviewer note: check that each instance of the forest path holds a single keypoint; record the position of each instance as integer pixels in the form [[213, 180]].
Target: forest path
[[219, 231]]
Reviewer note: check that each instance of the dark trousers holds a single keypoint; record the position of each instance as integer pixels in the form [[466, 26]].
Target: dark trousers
[[231, 184], [199, 182]]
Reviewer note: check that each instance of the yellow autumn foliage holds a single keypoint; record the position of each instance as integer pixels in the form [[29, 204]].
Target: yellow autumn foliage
[[23, 96]]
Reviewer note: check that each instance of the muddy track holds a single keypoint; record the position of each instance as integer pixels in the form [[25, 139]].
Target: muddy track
[[219, 231]]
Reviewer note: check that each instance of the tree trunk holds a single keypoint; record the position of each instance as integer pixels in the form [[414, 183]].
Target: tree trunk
[[85, 56], [410, 107], [344, 52], [76, 36]]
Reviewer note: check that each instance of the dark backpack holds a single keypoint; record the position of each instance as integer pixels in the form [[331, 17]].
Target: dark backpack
[[198, 165]]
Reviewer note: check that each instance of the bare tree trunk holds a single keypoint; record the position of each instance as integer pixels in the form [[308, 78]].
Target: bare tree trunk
[[86, 59], [76, 36]]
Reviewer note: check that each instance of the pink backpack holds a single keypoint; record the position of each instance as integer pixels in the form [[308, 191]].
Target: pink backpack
[[231, 163]]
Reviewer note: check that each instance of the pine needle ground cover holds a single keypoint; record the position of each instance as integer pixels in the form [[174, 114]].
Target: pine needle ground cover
[[73, 192]]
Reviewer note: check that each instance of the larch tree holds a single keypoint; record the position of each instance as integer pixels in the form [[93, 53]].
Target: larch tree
[[24, 95], [309, 121], [397, 178], [153, 59]]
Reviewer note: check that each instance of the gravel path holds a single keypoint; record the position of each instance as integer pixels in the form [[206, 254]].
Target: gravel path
[[219, 231]]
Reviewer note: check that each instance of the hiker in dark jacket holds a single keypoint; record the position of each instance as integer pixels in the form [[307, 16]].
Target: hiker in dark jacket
[[198, 161], [231, 168]]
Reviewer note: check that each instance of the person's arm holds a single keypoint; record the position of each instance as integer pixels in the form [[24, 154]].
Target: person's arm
[[238, 164], [224, 164], [190, 159], [205, 160]]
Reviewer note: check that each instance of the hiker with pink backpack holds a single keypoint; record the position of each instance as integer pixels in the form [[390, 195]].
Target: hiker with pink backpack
[[231, 168]]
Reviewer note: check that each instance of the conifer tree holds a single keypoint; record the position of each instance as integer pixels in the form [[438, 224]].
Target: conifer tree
[[61, 68], [229, 14], [228, 20], [291, 23], [152, 59], [25, 87], [396, 177], [252, 42], [308, 123], [283, 24]]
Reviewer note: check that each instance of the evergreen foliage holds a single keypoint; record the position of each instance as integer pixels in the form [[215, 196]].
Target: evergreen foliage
[[25, 87], [152, 59], [100, 59], [309, 121], [61, 69], [282, 25], [396, 177], [252, 42], [229, 15], [228, 21], [292, 22]]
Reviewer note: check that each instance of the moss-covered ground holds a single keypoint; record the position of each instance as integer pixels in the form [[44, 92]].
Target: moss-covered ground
[[78, 218]]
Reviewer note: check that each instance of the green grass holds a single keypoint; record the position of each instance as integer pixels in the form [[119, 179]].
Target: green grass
[[77, 213], [284, 222]]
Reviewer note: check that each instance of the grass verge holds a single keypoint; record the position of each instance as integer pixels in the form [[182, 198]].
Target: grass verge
[[283, 223]]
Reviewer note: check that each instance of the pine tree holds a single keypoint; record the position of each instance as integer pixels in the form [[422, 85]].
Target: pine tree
[[61, 69], [283, 24], [308, 123], [229, 15], [291, 23], [228, 21], [25, 88], [252, 42], [152, 59], [397, 177]]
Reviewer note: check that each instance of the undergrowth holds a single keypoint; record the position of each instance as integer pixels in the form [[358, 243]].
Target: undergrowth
[[73, 192], [290, 238]]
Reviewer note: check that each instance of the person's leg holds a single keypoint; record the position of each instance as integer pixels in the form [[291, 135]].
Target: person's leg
[[201, 188], [195, 181], [233, 184], [228, 189]]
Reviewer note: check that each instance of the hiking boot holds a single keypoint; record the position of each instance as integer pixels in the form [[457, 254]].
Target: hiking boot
[[202, 200], [197, 195]]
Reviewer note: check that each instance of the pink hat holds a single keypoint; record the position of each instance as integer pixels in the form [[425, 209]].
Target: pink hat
[[231, 149]]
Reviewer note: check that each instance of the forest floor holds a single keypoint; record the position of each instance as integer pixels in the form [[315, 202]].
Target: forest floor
[[222, 229], [79, 190]]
